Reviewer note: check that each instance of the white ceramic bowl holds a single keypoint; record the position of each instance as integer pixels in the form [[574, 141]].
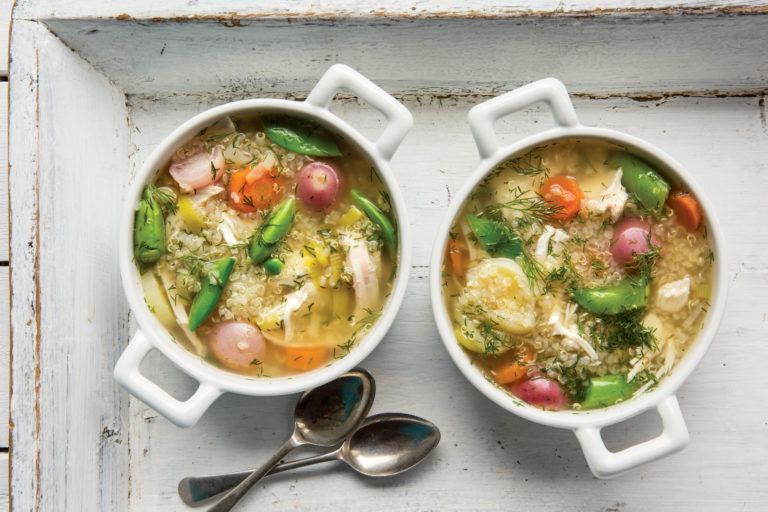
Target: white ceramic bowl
[[585, 424], [215, 381]]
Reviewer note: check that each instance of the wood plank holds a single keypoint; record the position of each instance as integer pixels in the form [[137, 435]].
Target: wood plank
[[6, 7], [82, 311], [593, 56], [5, 360], [396, 8], [24, 304], [4, 494], [4, 218], [488, 456]]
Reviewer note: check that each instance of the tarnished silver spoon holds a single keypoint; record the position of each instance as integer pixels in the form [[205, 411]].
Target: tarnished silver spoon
[[324, 416], [384, 445]]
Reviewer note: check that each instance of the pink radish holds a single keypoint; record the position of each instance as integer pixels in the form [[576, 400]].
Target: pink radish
[[541, 392], [630, 239], [237, 344], [317, 184]]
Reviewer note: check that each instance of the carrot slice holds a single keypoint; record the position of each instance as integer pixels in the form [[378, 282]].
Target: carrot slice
[[253, 189], [305, 358], [457, 252], [564, 193], [687, 208], [512, 370]]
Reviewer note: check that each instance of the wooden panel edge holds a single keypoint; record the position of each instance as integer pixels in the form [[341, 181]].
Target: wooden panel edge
[[25, 293]]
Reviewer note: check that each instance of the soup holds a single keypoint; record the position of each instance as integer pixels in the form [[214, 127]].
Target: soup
[[266, 245], [576, 275]]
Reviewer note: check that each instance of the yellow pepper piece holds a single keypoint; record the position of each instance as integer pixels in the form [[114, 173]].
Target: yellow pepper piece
[[352, 216], [191, 219]]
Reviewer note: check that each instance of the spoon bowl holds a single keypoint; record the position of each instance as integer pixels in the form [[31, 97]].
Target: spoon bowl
[[388, 444], [324, 416]]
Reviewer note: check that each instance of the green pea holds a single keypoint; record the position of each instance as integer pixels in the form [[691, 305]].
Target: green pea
[[646, 185], [215, 276], [616, 298], [373, 212], [148, 229], [273, 266], [272, 231], [607, 390]]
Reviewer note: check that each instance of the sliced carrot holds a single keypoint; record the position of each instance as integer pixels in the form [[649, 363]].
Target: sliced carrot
[[457, 252], [687, 208], [512, 369], [305, 358], [252, 189], [563, 193]]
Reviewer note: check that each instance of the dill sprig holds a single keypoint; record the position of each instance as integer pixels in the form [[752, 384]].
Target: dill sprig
[[361, 325], [528, 209], [529, 164], [166, 200], [622, 331]]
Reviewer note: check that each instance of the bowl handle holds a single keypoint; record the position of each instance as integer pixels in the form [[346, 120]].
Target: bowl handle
[[607, 464], [399, 119], [127, 374], [549, 90]]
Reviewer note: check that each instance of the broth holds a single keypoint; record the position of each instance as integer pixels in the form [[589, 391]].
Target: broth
[[274, 261], [576, 275]]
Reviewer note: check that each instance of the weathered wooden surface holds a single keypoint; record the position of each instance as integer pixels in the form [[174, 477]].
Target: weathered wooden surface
[[594, 56], [225, 9], [70, 320]]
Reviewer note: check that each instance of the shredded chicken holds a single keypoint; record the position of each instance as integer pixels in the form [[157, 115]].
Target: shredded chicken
[[365, 274], [169, 282], [611, 201], [553, 237], [673, 296], [566, 330]]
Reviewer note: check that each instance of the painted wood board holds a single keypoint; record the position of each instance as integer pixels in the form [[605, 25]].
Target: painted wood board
[[134, 458], [4, 220], [225, 9], [5, 28], [4, 494], [5, 359], [641, 56]]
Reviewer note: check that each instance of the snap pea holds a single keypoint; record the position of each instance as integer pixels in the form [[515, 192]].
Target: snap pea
[[373, 212], [148, 228], [626, 295], [272, 231], [215, 276], [607, 390], [496, 238], [273, 266], [646, 185], [300, 136]]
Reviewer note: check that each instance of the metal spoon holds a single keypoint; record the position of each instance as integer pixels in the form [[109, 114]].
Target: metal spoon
[[324, 416], [384, 445]]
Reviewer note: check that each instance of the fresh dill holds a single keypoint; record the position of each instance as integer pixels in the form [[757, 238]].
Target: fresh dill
[[527, 209], [529, 164], [361, 325]]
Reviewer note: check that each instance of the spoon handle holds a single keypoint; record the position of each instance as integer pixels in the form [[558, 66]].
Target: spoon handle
[[236, 494], [193, 490]]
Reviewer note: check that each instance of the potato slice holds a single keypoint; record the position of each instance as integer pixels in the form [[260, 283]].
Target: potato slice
[[500, 287]]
